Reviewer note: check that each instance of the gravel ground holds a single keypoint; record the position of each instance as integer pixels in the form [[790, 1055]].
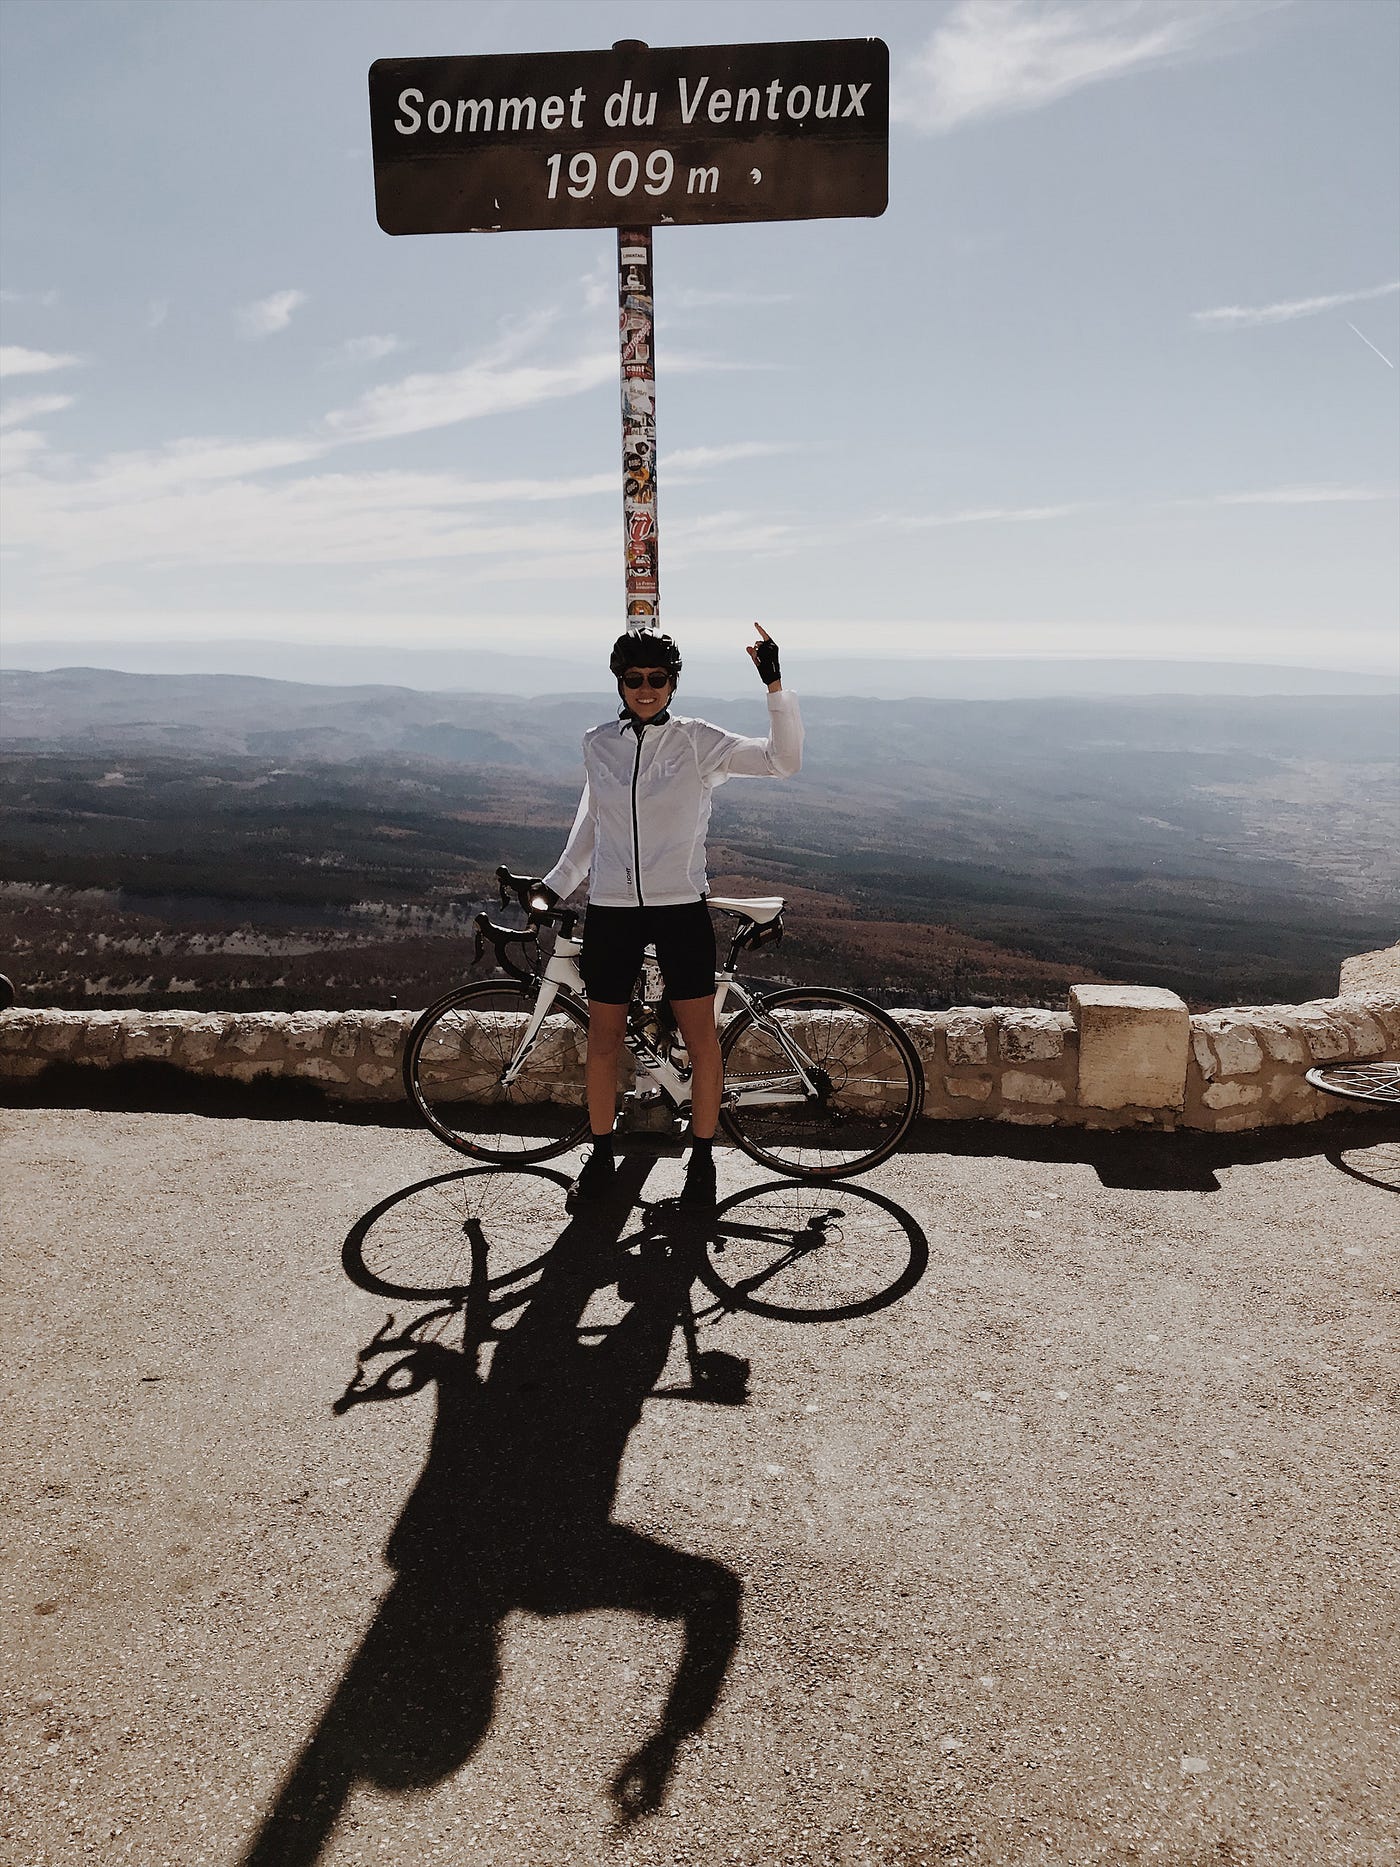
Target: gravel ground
[[1083, 1550]]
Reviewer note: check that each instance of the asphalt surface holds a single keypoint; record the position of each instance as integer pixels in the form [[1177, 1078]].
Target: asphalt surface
[[1081, 1550]]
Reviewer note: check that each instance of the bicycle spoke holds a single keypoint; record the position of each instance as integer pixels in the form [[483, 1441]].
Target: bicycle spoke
[[458, 1055], [867, 1083]]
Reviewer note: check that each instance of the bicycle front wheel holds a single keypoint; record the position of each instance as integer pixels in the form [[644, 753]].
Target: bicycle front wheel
[[868, 1083], [457, 1056]]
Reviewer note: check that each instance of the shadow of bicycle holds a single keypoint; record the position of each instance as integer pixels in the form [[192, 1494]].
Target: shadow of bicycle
[[1377, 1163], [513, 1508], [541, 1358], [800, 1251], [792, 1250]]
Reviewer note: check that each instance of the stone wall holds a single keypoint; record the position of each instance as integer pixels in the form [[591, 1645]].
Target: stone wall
[[1120, 1056]]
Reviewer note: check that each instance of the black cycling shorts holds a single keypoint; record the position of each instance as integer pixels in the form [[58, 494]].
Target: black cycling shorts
[[613, 939]]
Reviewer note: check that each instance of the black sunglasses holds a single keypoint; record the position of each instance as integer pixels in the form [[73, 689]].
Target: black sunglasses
[[654, 677]]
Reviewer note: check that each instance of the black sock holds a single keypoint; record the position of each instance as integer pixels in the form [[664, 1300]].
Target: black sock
[[702, 1150], [602, 1144]]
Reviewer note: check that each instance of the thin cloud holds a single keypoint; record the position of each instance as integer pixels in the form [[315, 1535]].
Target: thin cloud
[[328, 519], [1308, 496], [32, 408], [738, 532], [19, 449], [371, 349], [996, 515], [45, 299], [599, 284], [15, 360], [697, 459], [157, 311], [439, 399], [705, 298], [1239, 317], [991, 58], [266, 316]]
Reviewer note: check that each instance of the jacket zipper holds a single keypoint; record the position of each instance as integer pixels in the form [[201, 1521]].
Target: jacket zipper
[[636, 835]]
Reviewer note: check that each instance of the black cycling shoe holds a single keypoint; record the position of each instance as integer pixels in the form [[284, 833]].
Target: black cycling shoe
[[698, 1193], [595, 1179]]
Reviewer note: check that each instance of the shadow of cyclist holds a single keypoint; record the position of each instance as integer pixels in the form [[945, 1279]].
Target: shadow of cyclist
[[513, 1509]]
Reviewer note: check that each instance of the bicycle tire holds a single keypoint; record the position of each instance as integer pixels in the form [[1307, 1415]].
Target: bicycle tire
[[515, 1126], [863, 1117]]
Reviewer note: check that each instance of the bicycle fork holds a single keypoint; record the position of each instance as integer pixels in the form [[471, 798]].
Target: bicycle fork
[[548, 992]]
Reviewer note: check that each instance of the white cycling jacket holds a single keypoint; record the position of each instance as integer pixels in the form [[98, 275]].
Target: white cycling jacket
[[645, 808]]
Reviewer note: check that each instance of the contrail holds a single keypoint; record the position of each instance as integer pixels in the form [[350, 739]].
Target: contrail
[[1369, 345]]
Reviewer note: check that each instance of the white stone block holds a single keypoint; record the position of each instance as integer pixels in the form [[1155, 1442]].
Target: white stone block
[[1025, 1086], [967, 1037], [345, 1035], [1328, 1041], [1367, 1037], [1133, 1043], [308, 1032], [321, 1069], [58, 1034], [387, 1030], [148, 1042], [251, 1031], [1275, 1031], [1232, 1095], [1237, 1049], [1030, 1035], [199, 1037], [968, 1088], [376, 1075]]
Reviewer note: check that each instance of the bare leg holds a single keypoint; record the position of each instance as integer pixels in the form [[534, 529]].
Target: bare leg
[[696, 1017], [606, 1025]]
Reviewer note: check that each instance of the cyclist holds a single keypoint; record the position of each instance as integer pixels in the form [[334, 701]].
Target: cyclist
[[640, 836]]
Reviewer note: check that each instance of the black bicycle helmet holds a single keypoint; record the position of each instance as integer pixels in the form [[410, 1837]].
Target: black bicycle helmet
[[645, 648]]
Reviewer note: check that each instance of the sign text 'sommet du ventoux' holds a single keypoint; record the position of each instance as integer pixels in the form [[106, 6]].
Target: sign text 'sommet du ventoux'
[[669, 135]]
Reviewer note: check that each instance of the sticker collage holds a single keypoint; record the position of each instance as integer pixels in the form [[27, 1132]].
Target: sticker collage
[[638, 427]]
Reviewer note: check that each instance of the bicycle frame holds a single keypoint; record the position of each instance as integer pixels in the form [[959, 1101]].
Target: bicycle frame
[[561, 974]]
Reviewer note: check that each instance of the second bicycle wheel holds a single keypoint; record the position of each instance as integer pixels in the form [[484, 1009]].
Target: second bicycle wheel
[[455, 1058], [870, 1084]]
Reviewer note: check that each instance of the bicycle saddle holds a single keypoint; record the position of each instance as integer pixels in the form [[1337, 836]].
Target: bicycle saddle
[[762, 909]]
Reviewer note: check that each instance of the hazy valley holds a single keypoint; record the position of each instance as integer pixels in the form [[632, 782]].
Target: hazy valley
[[207, 840]]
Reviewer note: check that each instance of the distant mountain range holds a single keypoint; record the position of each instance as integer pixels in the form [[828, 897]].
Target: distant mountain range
[[549, 671], [1234, 847], [926, 748]]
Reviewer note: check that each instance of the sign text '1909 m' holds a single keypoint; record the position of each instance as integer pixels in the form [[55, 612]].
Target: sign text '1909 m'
[[733, 133], [625, 170]]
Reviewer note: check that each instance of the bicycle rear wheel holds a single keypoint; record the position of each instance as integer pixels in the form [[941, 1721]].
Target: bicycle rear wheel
[[456, 1055], [869, 1081]]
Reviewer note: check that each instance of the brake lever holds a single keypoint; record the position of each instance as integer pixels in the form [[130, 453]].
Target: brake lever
[[480, 948]]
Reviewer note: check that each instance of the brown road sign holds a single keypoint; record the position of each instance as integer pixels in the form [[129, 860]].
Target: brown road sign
[[670, 135]]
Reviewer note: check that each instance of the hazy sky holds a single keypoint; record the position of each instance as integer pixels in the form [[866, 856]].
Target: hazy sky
[[1113, 375]]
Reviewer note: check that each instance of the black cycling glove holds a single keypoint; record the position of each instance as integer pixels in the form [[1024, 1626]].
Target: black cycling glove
[[541, 891], [765, 657]]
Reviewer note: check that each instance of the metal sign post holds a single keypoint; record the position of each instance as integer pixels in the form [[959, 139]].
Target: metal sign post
[[690, 135], [638, 357]]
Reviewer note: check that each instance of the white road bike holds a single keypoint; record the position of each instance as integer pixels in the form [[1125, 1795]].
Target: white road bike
[[818, 1083]]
